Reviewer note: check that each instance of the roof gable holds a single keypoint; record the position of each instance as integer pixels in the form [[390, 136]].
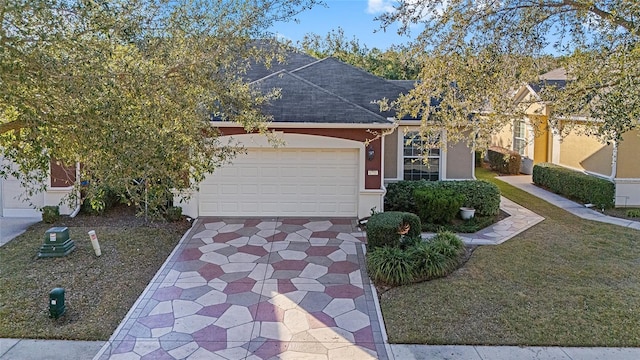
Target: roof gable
[[303, 101], [350, 82]]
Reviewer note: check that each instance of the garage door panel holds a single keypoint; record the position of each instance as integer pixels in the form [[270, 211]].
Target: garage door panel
[[289, 182]]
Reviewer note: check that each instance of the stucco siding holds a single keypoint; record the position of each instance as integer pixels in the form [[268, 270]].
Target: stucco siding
[[503, 138], [629, 156], [459, 161], [584, 152]]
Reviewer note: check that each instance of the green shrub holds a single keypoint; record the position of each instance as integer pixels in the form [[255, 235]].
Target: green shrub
[[437, 257], [633, 213], [437, 206], [503, 160], [575, 185], [174, 213], [399, 196], [99, 200], [50, 214], [384, 229], [479, 194], [391, 265]]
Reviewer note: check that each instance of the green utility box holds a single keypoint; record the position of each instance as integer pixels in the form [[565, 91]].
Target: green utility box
[[56, 303], [56, 243]]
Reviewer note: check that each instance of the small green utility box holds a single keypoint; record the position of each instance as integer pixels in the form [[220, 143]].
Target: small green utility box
[[56, 303], [56, 243]]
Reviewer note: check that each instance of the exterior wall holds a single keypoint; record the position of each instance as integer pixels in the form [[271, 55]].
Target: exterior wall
[[582, 152], [628, 157], [12, 194], [456, 161], [541, 146], [460, 162], [503, 138], [391, 146]]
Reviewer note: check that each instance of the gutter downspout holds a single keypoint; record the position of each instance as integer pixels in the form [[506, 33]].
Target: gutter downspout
[[77, 209], [614, 162]]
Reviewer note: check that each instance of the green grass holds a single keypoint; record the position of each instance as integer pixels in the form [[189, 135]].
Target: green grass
[[565, 282], [99, 290]]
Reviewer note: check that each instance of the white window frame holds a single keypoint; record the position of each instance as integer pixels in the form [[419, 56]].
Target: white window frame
[[522, 148], [401, 141]]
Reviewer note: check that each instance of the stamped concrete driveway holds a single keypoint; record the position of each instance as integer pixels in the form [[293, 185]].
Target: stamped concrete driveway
[[284, 288]]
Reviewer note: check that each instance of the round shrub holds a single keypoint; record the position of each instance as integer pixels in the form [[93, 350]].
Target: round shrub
[[437, 206], [386, 229]]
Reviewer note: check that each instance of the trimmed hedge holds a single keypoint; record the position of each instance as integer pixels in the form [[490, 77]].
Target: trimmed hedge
[[383, 229], [479, 194], [504, 161], [575, 185], [437, 206]]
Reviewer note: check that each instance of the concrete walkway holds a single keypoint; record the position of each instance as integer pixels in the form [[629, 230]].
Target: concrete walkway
[[519, 220], [525, 182]]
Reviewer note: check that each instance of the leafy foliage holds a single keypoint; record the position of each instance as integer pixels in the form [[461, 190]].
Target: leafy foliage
[[415, 259], [575, 185], [127, 88], [388, 228], [479, 52], [437, 206], [391, 265], [395, 63], [50, 214], [504, 161], [479, 194]]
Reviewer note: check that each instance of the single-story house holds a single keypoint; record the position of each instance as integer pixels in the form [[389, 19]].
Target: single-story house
[[536, 140], [339, 150]]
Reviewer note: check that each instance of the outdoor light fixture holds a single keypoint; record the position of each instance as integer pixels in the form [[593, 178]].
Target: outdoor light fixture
[[370, 153]]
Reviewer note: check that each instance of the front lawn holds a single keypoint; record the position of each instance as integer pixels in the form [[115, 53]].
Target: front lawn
[[566, 282], [99, 290]]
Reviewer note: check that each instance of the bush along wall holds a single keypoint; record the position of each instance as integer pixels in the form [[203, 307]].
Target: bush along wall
[[479, 194], [575, 185], [503, 160]]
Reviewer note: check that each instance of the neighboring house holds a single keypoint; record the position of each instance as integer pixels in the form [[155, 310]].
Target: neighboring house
[[14, 201], [339, 151], [533, 137]]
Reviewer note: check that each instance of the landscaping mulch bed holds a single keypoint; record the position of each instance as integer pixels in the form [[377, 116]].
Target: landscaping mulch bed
[[99, 290]]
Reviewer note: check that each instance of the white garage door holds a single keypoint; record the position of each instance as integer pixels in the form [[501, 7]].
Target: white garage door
[[284, 182]]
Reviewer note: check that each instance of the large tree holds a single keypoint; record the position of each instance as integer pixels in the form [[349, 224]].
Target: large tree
[[127, 88], [395, 63], [481, 51]]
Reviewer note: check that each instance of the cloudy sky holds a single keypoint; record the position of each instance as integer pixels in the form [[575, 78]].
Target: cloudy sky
[[355, 17]]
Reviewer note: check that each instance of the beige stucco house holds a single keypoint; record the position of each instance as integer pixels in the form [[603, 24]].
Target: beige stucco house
[[534, 138]]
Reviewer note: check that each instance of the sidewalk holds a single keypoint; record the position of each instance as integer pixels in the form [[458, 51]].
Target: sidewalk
[[525, 183], [21, 349]]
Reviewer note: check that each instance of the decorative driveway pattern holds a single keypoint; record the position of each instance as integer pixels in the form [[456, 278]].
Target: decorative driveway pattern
[[288, 288]]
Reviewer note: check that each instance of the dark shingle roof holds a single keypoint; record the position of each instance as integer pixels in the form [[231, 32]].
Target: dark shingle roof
[[292, 60], [351, 83], [303, 101]]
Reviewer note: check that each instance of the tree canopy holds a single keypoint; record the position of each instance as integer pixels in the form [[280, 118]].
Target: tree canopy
[[395, 63], [127, 88], [480, 52]]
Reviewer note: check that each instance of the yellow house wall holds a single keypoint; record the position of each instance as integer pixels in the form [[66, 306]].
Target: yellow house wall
[[629, 156], [504, 138], [584, 152]]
